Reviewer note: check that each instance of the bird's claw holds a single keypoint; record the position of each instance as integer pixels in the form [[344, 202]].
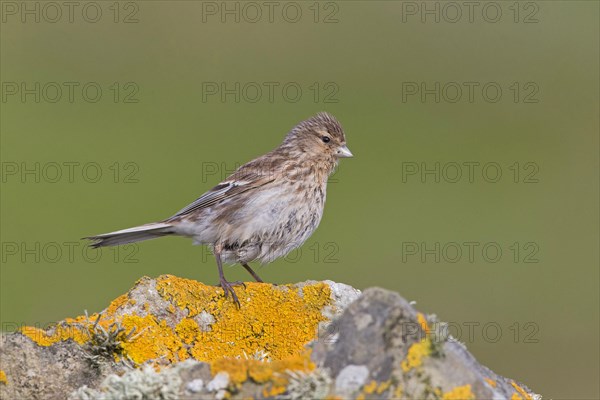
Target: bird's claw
[[228, 289], [238, 283]]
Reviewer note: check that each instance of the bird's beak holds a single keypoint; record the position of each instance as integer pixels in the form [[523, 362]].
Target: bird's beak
[[343, 152]]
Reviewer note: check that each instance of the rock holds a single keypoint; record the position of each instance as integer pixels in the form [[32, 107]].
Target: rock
[[393, 349], [351, 379], [219, 382], [32, 371], [195, 385], [173, 338]]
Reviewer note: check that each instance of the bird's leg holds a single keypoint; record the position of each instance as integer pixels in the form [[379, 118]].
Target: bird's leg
[[251, 272], [226, 285]]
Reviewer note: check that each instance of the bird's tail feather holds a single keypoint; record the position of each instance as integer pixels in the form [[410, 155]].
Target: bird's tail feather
[[131, 235]]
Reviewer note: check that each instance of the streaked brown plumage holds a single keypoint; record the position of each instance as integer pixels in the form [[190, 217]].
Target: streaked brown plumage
[[265, 209]]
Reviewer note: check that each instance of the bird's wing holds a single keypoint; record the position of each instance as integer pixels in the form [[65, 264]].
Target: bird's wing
[[226, 190]]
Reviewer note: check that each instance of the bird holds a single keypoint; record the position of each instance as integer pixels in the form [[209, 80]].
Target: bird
[[265, 209]]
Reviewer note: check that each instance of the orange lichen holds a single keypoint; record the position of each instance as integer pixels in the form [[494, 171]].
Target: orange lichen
[[383, 386], [490, 382], [70, 329], [260, 372], [276, 321], [240, 370], [416, 353], [370, 387], [116, 304], [459, 393], [3, 378], [273, 390], [237, 369], [187, 330], [423, 323], [155, 339], [376, 387], [521, 391], [515, 396]]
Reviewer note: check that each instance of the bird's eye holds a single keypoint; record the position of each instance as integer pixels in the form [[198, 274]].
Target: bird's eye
[[326, 139]]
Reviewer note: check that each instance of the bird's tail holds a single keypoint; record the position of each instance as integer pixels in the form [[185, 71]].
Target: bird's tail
[[131, 235]]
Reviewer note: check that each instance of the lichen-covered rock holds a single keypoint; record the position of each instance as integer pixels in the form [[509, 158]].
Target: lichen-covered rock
[[386, 349], [166, 320], [173, 338]]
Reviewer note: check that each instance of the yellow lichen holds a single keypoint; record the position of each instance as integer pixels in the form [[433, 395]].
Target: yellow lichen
[[155, 339], [237, 369], [521, 391], [383, 386], [188, 330], [416, 353], [274, 375], [260, 372], [459, 393], [116, 304], [68, 330], [376, 387], [3, 378], [273, 390], [423, 323], [370, 387], [277, 321], [515, 396], [490, 382]]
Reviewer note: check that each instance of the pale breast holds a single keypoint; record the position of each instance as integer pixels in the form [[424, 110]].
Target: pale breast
[[275, 222]]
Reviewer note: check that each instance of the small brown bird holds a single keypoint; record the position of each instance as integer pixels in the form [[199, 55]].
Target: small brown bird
[[265, 209]]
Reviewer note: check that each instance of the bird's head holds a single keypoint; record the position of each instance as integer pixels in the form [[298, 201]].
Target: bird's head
[[319, 137]]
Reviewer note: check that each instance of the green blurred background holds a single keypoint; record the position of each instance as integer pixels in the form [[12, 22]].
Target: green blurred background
[[359, 54]]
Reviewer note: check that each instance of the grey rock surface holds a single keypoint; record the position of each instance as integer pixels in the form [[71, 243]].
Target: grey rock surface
[[376, 333], [46, 372]]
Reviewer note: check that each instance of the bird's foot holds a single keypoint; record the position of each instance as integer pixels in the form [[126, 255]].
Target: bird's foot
[[228, 289]]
